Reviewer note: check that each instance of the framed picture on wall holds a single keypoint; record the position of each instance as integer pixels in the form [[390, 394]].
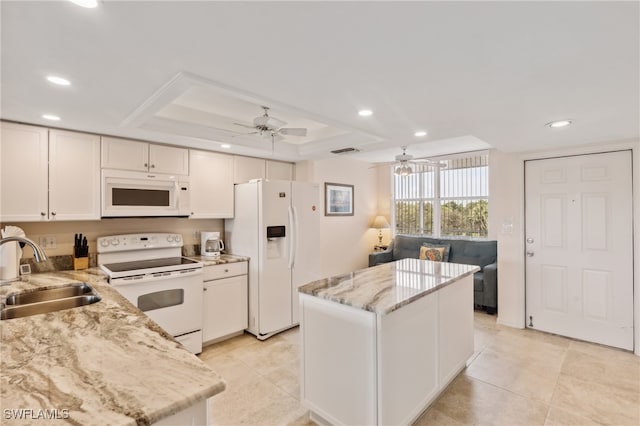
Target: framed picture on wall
[[338, 199]]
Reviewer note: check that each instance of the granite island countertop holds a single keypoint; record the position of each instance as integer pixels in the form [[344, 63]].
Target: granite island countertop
[[105, 363], [384, 288]]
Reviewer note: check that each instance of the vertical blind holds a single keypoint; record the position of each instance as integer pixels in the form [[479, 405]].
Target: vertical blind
[[450, 199]]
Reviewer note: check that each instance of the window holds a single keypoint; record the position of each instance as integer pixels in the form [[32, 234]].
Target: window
[[448, 200]]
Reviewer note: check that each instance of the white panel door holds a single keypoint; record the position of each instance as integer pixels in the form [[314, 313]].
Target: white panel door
[[277, 170], [579, 264], [125, 154], [169, 160], [306, 234], [225, 307], [211, 177], [74, 176], [247, 168], [23, 173], [275, 278]]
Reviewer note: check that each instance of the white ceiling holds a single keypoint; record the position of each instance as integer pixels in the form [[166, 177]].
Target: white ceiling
[[473, 74]]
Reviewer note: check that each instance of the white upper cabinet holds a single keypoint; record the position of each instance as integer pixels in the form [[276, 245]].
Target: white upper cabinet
[[277, 170], [247, 168], [74, 176], [139, 156], [211, 180], [23, 173], [168, 159], [48, 175]]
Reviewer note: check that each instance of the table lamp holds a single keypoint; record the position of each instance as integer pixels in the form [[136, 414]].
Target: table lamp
[[380, 223]]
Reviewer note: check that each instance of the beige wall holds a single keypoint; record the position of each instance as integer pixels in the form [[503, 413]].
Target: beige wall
[[64, 231], [507, 207], [345, 241]]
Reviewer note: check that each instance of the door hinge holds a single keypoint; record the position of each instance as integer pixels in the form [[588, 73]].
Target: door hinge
[[530, 320]]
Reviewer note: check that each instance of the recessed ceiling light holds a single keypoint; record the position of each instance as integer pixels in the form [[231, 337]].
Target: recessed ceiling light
[[51, 117], [559, 123], [365, 113], [90, 4], [420, 133], [225, 146], [58, 80]]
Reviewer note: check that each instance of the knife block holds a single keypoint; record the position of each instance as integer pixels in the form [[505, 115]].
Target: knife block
[[80, 263]]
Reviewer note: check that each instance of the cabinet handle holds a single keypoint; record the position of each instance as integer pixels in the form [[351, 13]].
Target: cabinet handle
[[146, 164], [43, 214], [192, 213], [205, 289], [53, 213], [153, 166], [226, 270]]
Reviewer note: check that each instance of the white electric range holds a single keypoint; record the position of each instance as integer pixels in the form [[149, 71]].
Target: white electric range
[[150, 272]]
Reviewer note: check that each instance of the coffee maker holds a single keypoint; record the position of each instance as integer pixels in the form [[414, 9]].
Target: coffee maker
[[210, 244]]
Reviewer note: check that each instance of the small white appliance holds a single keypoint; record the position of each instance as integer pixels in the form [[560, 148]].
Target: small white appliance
[[210, 244], [149, 271], [136, 194], [277, 225]]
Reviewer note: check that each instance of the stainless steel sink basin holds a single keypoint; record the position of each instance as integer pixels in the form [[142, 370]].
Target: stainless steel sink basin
[[72, 290], [24, 304]]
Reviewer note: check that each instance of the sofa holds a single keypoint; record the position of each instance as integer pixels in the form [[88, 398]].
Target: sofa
[[470, 252]]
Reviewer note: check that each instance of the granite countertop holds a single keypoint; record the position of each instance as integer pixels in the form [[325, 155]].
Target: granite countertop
[[224, 258], [384, 288], [105, 363]]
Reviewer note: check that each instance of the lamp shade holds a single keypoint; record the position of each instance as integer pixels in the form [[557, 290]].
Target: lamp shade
[[380, 222]]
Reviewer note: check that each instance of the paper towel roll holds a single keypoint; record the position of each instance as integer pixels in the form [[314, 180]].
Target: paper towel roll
[[10, 253]]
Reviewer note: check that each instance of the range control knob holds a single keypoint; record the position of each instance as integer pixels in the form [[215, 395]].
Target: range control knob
[[115, 241], [104, 243], [170, 238], [177, 238]]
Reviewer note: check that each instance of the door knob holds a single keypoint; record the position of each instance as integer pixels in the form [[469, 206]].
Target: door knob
[[529, 254], [529, 240]]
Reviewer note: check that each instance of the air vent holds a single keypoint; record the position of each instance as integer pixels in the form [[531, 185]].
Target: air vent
[[345, 150]]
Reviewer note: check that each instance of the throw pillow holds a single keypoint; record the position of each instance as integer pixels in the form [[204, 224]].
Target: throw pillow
[[435, 254], [446, 247]]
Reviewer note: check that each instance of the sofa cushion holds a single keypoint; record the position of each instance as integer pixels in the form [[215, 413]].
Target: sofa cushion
[[445, 252], [431, 253], [479, 253], [478, 281]]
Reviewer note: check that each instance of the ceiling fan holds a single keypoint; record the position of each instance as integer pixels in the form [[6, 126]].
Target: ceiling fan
[[265, 125], [405, 161]]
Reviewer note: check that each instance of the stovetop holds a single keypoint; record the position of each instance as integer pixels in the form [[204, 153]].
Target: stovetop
[[141, 265]]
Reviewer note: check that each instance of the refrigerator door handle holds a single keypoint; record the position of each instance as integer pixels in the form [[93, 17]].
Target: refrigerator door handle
[[291, 237], [294, 240]]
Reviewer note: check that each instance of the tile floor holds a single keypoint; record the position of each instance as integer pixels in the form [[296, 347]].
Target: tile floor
[[516, 377]]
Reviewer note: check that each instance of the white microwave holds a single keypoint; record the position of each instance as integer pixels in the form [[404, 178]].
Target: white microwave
[[140, 194]]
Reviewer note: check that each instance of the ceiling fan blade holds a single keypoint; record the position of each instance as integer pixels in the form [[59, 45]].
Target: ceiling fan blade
[[244, 125], [293, 131], [244, 134]]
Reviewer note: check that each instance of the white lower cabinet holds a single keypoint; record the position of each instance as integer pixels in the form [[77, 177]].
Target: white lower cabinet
[[225, 300]]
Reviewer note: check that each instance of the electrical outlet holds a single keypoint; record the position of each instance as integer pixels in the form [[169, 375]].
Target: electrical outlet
[[48, 242], [196, 235]]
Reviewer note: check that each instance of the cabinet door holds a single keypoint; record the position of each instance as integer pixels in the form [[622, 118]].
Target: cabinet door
[[23, 173], [225, 307], [211, 177], [168, 159], [74, 176], [125, 154], [247, 168], [277, 170]]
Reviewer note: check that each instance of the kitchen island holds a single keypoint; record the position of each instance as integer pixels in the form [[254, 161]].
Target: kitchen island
[[380, 344], [105, 363]]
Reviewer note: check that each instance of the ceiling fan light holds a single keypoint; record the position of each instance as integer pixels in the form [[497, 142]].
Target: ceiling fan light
[[420, 133], [365, 113], [559, 123]]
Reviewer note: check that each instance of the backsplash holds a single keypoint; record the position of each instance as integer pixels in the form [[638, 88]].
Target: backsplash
[[63, 232], [65, 262]]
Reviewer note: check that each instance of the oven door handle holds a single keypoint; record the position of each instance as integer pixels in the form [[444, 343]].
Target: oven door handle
[[138, 279]]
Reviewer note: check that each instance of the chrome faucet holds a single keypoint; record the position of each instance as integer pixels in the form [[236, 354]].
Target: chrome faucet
[[38, 252]]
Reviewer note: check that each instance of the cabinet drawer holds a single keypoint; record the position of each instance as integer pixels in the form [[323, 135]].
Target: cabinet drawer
[[225, 270]]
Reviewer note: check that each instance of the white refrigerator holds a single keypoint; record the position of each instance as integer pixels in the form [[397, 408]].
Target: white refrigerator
[[277, 225]]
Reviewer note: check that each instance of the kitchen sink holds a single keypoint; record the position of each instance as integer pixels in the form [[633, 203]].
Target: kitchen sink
[[29, 303]]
